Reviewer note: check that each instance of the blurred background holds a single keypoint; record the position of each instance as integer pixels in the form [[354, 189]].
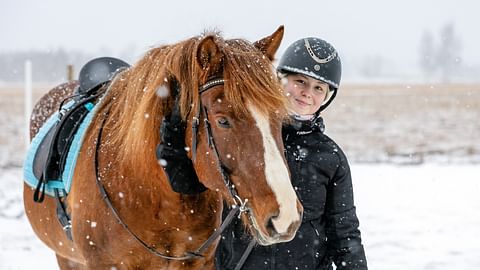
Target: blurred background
[[407, 113], [388, 41]]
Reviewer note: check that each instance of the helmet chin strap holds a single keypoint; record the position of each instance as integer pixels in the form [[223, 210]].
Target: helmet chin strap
[[325, 105]]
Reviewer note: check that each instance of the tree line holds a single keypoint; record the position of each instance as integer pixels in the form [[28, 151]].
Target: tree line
[[48, 66]]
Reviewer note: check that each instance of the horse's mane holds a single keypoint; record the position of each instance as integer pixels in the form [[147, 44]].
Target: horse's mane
[[133, 101]]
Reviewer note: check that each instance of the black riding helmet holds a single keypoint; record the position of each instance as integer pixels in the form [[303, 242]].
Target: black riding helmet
[[98, 71], [316, 58]]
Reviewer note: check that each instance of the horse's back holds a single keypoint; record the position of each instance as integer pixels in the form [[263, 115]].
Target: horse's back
[[49, 104]]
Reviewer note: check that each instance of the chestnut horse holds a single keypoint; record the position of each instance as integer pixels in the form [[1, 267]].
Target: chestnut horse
[[124, 214]]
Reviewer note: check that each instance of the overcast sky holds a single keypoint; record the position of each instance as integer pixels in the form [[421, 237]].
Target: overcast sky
[[358, 28]]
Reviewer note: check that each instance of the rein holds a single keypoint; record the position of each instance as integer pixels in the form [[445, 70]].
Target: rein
[[239, 207]]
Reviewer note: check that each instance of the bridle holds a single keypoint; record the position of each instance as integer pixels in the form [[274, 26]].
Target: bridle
[[211, 142], [239, 207]]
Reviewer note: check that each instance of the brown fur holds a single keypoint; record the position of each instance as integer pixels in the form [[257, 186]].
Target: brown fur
[[136, 184]]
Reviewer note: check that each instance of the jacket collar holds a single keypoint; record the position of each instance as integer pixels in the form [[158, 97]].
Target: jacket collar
[[304, 127]]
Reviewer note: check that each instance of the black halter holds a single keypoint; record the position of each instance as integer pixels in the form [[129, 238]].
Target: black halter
[[240, 206]]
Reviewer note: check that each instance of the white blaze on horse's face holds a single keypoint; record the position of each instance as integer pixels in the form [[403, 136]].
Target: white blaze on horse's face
[[277, 176]]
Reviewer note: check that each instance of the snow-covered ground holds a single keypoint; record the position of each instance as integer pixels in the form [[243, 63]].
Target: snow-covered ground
[[419, 217], [412, 217]]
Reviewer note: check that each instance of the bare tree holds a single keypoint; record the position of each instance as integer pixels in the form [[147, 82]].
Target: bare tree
[[444, 56], [427, 54], [448, 56]]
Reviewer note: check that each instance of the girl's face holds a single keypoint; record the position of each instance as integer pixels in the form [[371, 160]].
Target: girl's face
[[306, 94]]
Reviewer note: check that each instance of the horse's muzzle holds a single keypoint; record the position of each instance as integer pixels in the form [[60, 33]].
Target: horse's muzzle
[[271, 235]]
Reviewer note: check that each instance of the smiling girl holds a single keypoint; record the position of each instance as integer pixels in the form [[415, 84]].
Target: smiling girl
[[310, 70]]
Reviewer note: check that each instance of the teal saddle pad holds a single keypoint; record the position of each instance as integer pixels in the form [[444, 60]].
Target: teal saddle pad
[[64, 183]]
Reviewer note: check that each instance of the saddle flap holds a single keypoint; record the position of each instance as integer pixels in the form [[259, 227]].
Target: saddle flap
[[52, 152], [42, 154]]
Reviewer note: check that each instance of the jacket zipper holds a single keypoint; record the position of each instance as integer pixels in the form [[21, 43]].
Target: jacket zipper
[[315, 229]]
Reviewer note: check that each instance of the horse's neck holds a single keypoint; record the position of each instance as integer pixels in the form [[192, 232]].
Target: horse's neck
[[152, 188]]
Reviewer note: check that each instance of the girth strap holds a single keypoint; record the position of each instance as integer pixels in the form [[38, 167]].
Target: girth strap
[[62, 215]]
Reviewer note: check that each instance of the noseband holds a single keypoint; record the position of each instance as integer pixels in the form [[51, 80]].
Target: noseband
[[239, 207]]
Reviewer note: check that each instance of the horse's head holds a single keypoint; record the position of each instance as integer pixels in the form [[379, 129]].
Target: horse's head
[[238, 149], [241, 139]]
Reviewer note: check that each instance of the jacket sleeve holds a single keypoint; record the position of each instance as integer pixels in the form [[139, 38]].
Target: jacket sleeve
[[344, 241], [173, 157], [180, 172]]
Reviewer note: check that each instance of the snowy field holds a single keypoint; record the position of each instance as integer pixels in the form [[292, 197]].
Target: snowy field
[[412, 217]]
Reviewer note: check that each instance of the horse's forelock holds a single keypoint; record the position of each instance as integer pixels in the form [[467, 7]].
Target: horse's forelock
[[250, 79]]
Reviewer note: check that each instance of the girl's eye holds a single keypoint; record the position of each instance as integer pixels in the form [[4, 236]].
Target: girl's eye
[[300, 81], [223, 122]]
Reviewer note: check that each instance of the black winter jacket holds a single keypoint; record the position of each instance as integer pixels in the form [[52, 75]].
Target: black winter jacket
[[329, 232]]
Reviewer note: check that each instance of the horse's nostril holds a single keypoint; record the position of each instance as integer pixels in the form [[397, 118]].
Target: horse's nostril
[[270, 227]]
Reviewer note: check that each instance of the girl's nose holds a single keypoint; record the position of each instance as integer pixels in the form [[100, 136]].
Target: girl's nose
[[307, 93]]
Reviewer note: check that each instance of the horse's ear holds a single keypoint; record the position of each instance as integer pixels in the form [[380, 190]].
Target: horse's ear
[[209, 56], [269, 45]]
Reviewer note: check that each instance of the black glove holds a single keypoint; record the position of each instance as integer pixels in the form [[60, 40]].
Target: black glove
[[173, 157]]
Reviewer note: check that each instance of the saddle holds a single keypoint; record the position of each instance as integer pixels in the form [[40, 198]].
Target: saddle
[[53, 152], [50, 158]]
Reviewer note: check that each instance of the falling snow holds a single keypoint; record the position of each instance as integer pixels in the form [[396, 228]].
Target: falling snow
[[163, 91]]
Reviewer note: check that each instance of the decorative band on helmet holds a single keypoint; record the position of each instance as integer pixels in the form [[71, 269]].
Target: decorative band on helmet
[[316, 58]]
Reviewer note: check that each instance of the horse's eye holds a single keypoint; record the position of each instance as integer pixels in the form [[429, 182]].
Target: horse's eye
[[223, 122]]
